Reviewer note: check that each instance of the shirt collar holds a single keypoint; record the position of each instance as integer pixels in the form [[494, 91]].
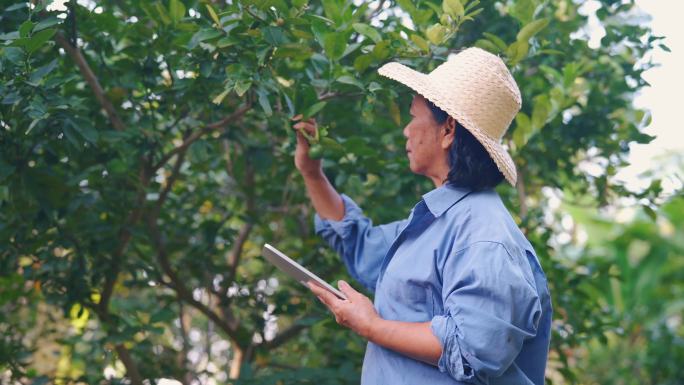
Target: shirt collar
[[442, 198]]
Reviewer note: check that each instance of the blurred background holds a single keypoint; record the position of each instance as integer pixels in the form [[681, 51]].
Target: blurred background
[[146, 156]]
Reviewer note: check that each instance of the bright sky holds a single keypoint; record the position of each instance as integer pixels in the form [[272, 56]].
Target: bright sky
[[664, 97]]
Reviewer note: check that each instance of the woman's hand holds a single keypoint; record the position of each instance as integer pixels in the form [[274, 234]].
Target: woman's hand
[[303, 162], [356, 313]]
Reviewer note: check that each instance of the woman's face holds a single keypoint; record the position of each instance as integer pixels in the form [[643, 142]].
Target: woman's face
[[427, 142]]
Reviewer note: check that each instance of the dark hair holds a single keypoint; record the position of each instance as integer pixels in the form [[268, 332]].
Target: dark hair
[[470, 165]]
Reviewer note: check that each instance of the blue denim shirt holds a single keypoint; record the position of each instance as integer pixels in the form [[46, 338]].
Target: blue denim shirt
[[460, 262]]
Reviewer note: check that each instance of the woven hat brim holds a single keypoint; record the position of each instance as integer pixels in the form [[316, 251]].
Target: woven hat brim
[[421, 83]]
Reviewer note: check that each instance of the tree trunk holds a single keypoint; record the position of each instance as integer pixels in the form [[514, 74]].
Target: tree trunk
[[236, 363]]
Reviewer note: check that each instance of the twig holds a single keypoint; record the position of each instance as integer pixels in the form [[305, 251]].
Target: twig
[[236, 251], [124, 238], [172, 179], [131, 367], [238, 335], [201, 132], [132, 370], [282, 337], [376, 11], [91, 79]]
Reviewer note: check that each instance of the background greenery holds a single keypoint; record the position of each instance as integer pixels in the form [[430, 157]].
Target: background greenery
[[146, 155]]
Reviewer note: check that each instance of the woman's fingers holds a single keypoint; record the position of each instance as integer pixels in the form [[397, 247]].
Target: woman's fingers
[[307, 129], [309, 125], [301, 141]]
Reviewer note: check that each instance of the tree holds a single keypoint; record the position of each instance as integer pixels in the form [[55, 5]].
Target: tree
[[146, 157]]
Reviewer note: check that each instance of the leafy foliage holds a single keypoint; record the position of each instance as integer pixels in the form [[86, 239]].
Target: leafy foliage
[[146, 157]]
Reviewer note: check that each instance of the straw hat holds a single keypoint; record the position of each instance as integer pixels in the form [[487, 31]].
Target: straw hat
[[475, 88]]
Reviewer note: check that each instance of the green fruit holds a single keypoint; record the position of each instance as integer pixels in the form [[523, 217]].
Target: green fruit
[[316, 151]]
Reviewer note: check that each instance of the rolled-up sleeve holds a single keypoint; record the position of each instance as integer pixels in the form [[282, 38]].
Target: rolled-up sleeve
[[491, 307], [361, 245]]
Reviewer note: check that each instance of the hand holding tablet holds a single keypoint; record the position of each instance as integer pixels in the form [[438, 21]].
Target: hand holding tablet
[[296, 271]]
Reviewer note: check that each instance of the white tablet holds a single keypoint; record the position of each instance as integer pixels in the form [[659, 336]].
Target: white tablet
[[295, 270]]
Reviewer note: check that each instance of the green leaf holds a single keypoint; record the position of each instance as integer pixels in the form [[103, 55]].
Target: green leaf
[[487, 46], [453, 8], [213, 14], [523, 130], [420, 42], [381, 50], [362, 62], [294, 51], [16, 6], [203, 35], [34, 123], [37, 40], [541, 111], [346, 79], [650, 212], [84, 128], [25, 28], [500, 44], [40, 72], [227, 42], [367, 31], [10, 35], [435, 33], [13, 54], [163, 315], [313, 110], [332, 10], [407, 5], [517, 51], [163, 15], [334, 45], [532, 29], [472, 5], [242, 86], [218, 99], [265, 104], [46, 23], [273, 35], [374, 86], [523, 10], [176, 10]]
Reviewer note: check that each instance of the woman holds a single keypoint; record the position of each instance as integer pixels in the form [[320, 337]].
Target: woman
[[460, 296]]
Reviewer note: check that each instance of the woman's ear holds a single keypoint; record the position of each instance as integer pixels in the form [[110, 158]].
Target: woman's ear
[[449, 133]]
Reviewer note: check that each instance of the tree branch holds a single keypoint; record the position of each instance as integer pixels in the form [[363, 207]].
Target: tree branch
[[236, 251], [282, 337], [238, 336], [170, 182], [91, 79], [124, 238], [184, 325], [131, 368], [199, 133], [376, 11]]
